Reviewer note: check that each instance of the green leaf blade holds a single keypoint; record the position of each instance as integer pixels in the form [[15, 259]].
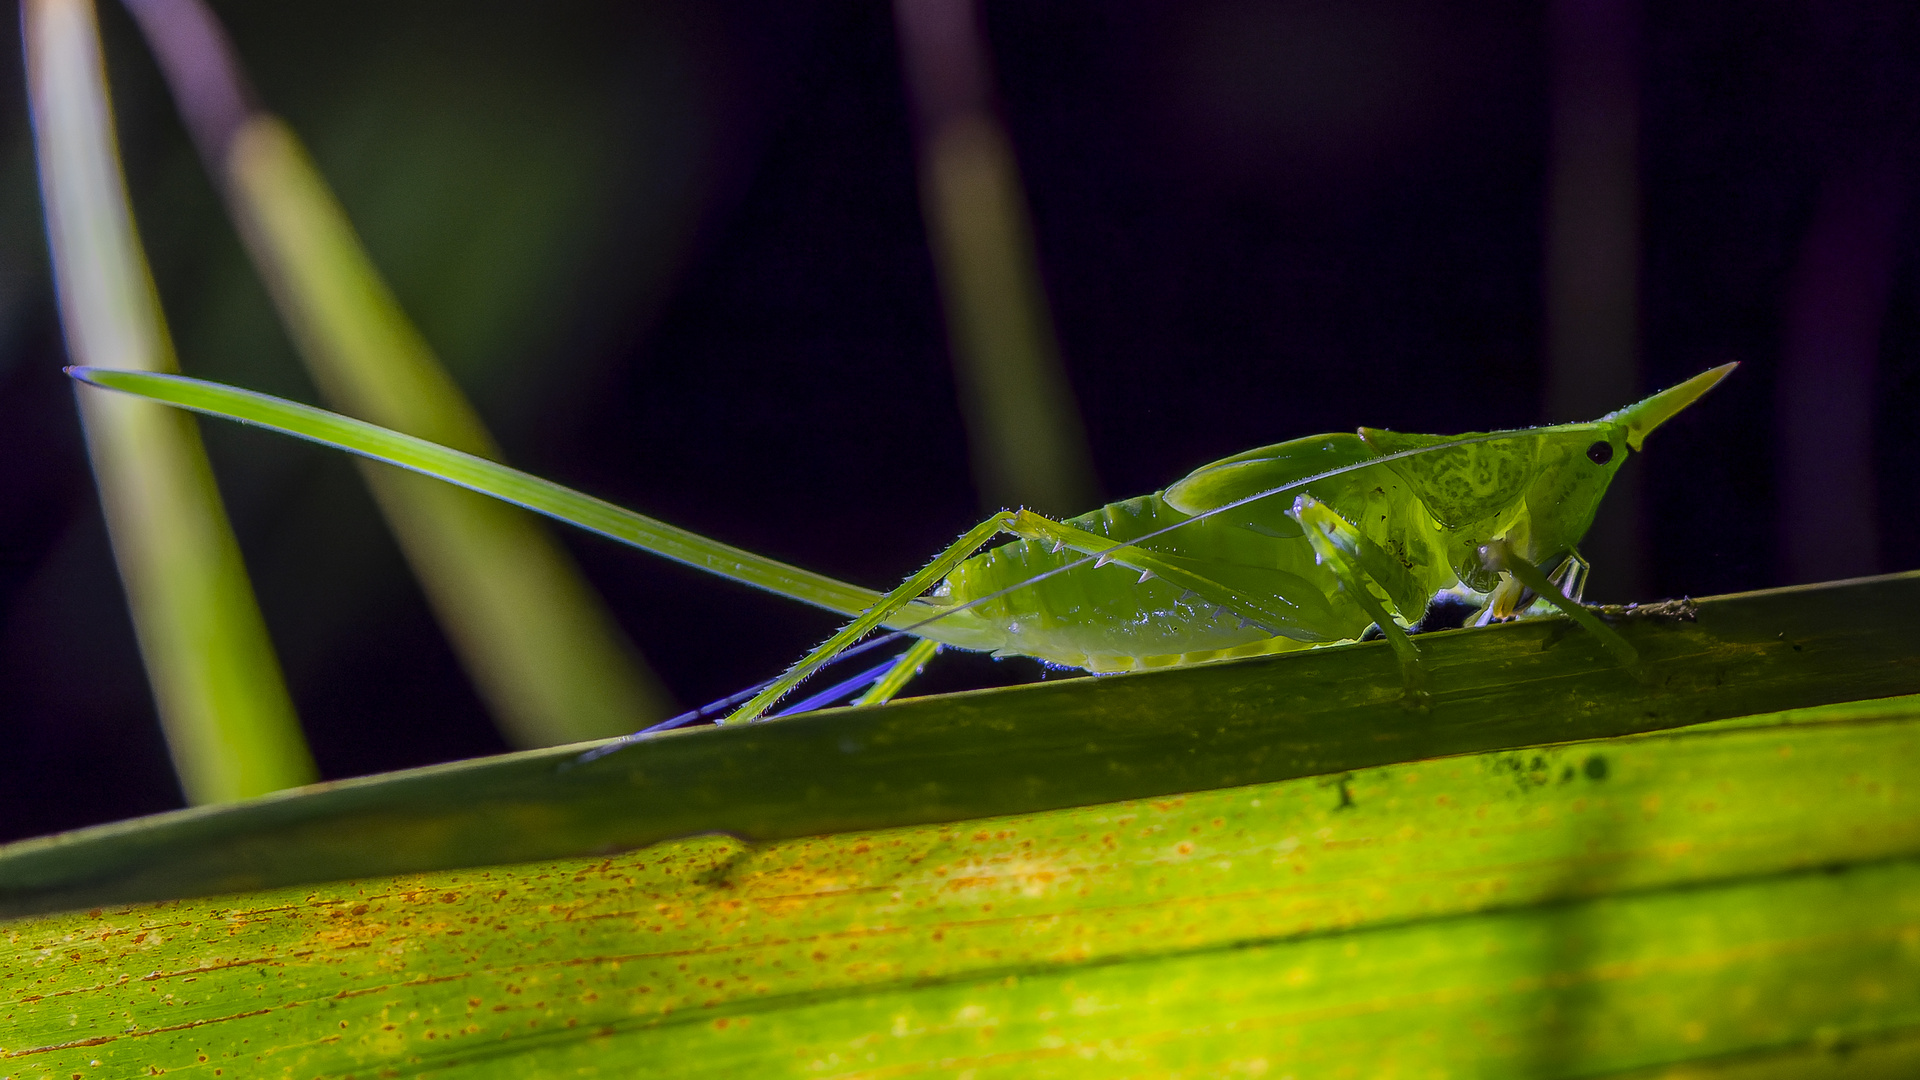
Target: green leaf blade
[[1053, 745], [1523, 913], [488, 478]]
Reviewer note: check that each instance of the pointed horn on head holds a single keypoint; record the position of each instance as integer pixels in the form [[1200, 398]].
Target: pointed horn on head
[[1643, 416]]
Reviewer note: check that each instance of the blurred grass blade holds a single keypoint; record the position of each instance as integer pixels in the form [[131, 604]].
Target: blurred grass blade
[[1028, 444], [229, 723], [537, 640], [1738, 901], [1592, 256]]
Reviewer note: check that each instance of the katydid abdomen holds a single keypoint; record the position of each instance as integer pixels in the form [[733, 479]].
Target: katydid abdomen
[[1107, 619]]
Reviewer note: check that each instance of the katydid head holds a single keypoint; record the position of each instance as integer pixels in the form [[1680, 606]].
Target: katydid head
[[1537, 488], [1578, 463], [1640, 418]]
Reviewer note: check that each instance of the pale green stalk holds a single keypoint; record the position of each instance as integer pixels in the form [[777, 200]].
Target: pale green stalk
[[537, 640], [1023, 427], [229, 722]]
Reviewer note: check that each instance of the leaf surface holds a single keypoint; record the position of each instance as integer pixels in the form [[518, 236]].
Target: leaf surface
[[1241, 869]]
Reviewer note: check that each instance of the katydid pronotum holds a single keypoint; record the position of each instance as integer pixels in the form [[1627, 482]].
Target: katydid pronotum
[[1315, 541]]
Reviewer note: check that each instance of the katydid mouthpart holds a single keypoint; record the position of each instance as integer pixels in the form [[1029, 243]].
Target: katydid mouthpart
[[1311, 542]]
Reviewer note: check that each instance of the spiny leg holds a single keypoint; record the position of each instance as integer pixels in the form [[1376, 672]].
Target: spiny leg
[[1499, 555], [1022, 523], [940, 567], [903, 670], [836, 693], [1339, 546]]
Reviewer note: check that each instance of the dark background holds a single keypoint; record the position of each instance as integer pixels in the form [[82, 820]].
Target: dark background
[[675, 252]]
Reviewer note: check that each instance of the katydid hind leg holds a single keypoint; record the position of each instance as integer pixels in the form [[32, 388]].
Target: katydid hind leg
[[870, 680], [893, 602], [907, 665], [839, 691]]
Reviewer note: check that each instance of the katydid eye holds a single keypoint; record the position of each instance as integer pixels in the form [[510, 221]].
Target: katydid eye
[[1600, 453]]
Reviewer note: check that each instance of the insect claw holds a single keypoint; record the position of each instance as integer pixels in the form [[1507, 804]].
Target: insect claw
[[1244, 623], [1187, 596], [1059, 546], [1145, 576], [1101, 561]]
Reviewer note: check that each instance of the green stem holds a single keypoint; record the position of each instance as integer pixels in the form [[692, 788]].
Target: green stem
[[490, 478]]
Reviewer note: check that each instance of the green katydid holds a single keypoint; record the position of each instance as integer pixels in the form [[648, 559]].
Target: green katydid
[[1310, 542]]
